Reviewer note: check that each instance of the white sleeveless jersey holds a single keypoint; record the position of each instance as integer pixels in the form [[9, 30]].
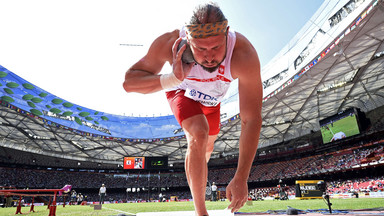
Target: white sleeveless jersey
[[209, 88]]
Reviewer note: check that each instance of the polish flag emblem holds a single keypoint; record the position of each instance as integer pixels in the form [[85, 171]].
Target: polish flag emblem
[[221, 69]]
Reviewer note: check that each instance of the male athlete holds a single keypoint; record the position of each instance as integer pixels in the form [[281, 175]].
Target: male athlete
[[194, 92]]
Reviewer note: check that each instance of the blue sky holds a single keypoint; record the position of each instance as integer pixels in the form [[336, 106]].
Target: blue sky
[[71, 48]]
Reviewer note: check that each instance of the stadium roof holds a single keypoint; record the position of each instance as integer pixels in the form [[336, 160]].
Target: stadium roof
[[335, 62]]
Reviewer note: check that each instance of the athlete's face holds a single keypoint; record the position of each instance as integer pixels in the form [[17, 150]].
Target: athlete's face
[[209, 52]]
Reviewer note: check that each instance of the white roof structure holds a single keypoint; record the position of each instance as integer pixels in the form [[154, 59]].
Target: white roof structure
[[335, 62]]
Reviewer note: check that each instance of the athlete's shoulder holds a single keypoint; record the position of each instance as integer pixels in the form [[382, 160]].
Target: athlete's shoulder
[[161, 48], [243, 46], [168, 37], [244, 56]]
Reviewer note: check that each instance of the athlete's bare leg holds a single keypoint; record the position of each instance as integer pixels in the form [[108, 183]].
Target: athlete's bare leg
[[210, 146], [196, 130]]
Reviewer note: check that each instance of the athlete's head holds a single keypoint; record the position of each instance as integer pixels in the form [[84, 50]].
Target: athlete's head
[[207, 36]]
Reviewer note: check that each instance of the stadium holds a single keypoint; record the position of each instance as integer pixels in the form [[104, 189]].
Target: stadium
[[323, 111]]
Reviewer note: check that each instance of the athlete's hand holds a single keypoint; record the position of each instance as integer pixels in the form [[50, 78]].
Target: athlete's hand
[[237, 193], [180, 69]]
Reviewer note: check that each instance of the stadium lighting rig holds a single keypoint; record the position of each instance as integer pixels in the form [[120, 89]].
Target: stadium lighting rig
[[332, 87]]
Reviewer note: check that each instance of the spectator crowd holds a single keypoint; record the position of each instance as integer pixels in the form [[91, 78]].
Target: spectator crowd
[[140, 184]]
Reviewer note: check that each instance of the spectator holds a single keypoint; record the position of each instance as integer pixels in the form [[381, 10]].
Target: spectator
[[102, 193], [214, 192]]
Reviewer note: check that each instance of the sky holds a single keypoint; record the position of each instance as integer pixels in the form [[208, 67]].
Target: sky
[[73, 48]]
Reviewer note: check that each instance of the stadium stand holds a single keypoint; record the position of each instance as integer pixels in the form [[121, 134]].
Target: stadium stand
[[351, 157]]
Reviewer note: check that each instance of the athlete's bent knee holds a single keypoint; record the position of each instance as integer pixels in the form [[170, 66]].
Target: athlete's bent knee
[[197, 142]]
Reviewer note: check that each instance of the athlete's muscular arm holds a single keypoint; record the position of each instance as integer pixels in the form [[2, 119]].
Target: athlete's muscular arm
[[143, 76], [246, 67]]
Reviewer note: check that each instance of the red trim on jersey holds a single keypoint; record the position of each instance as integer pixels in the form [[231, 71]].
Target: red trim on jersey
[[218, 77]]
